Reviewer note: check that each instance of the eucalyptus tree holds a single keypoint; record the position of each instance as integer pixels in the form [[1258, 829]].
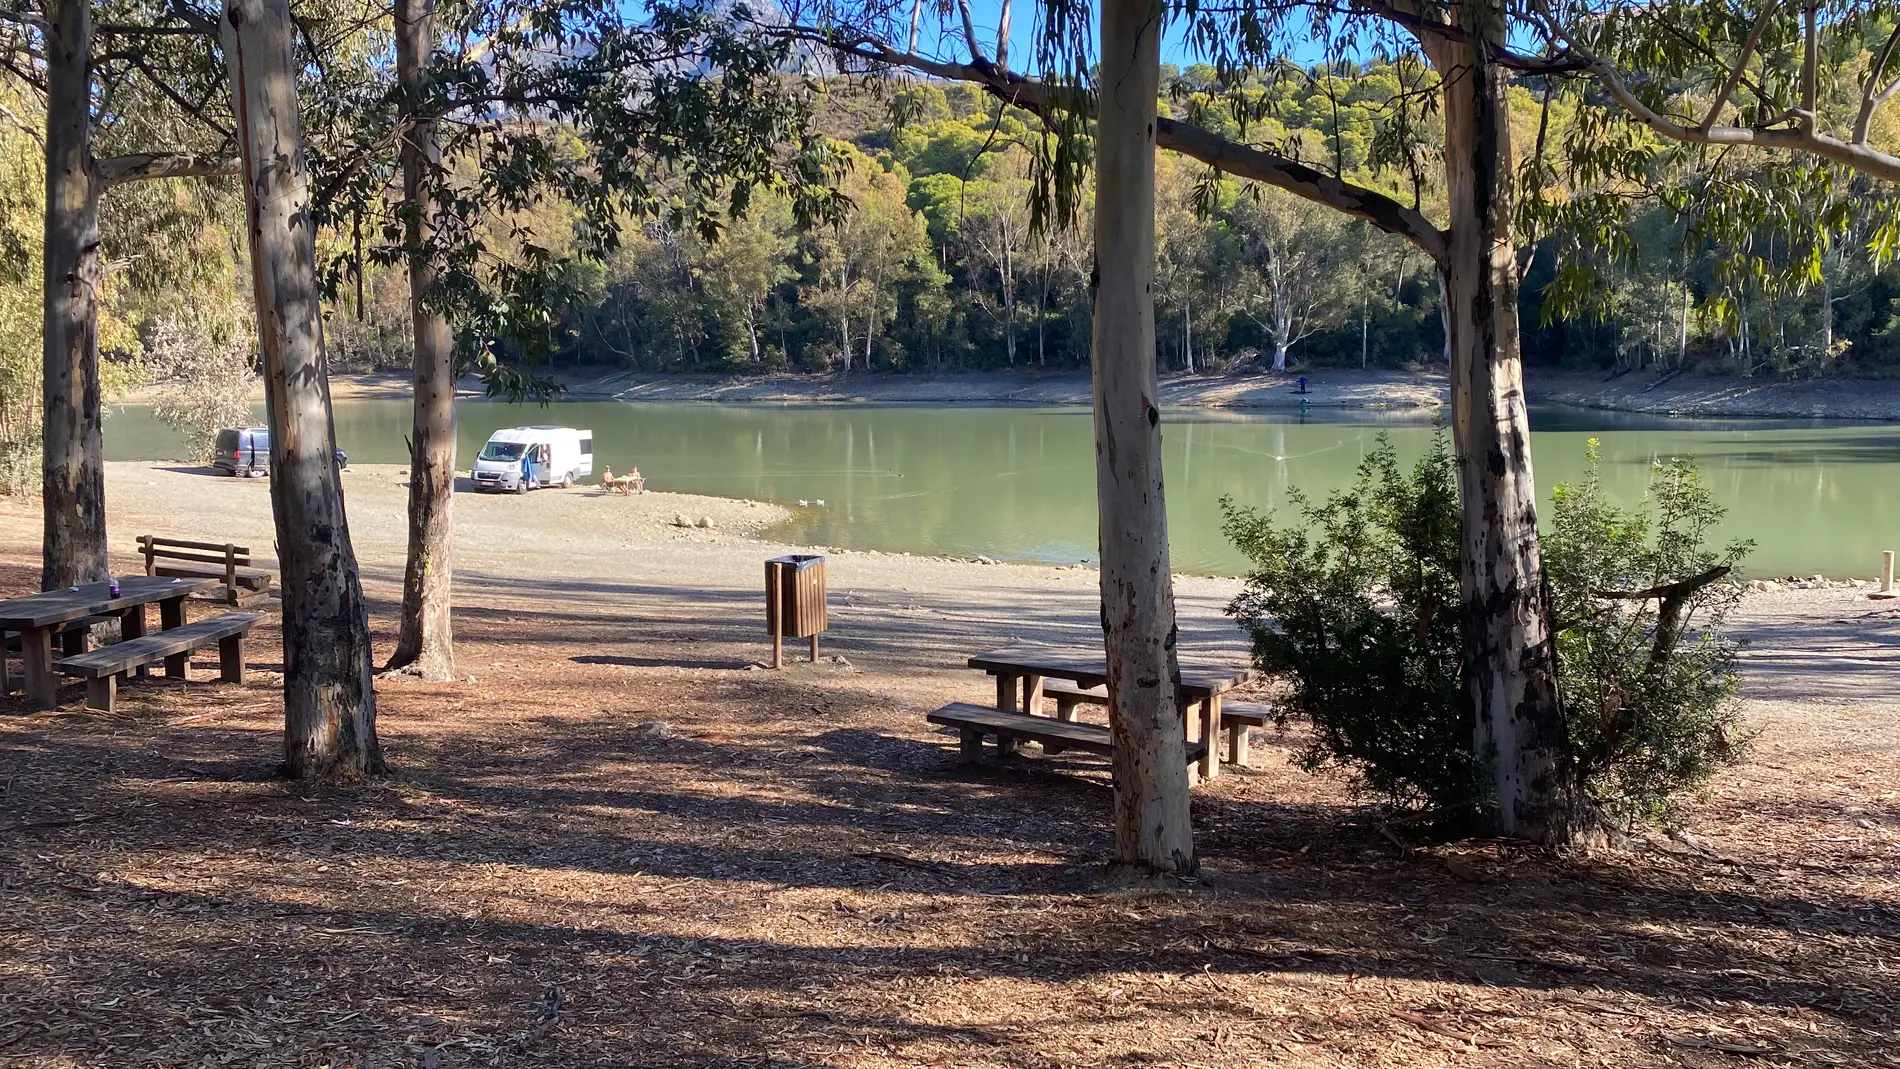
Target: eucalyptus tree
[[140, 90], [523, 127], [1801, 80]]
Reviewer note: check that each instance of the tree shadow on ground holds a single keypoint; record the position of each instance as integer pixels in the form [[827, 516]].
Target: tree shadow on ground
[[800, 871]]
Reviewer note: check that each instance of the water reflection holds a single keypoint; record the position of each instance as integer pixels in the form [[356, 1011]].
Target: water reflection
[[1019, 483]]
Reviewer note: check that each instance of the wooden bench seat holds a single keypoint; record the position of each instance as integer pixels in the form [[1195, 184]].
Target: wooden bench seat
[[102, 668], [181, 559], [974, 722], [1240, 717], [72, 642], [1236, 716], [1067, 696]]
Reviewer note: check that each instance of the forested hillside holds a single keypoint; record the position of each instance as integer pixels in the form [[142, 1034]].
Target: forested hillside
[[938, 265]]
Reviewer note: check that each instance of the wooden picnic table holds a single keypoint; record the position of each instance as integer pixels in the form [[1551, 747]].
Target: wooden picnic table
[[1202, 685], [37, 616]]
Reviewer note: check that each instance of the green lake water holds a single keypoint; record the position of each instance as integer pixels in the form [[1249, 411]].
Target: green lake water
[[1018, 483]]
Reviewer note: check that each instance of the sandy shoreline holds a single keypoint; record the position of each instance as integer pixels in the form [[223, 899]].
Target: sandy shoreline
[[1398, 391], [589, 547]]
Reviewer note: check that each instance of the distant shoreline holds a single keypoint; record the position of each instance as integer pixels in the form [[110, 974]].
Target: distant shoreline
[[1393, 391]]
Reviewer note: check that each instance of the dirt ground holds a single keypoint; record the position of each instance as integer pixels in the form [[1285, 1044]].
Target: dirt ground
[[616, 842]]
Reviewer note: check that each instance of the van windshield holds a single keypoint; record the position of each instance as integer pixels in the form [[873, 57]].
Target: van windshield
[[502, 451]]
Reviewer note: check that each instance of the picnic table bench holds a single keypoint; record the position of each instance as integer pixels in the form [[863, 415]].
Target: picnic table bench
[[1236, 718], [102, 668], [38, 617], [1084, 673], [178, 557], [975, 722]]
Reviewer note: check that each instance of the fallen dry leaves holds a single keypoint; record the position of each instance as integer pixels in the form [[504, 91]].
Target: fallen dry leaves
[[797, 873]]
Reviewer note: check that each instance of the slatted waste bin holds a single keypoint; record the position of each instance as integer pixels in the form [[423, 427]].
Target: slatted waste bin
[[794, 601]]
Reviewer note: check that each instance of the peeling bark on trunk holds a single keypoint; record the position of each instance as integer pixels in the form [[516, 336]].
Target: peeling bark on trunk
[[425, 644], [73, 465], [1138, 623], [329, 708], [1510, 657]]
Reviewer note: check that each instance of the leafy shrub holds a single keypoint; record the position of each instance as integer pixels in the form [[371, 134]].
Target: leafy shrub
[[1647, 680], [1358, 609]]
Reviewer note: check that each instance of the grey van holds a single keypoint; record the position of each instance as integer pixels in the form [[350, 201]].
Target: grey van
[[243, 451]]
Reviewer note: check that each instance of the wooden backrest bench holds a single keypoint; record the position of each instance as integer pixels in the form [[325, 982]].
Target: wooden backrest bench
[[243, 584]]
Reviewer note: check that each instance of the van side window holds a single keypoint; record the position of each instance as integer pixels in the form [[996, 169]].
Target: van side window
[[587, 447]]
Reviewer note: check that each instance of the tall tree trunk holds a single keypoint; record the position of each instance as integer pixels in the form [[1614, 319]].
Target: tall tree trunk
[[1138, 624], [425, 641], [844, 317], [73, 466], [329, 708], [1187, 330], [1510, 658], [1009, 298], [870, 325], [1688, 297], [1365, 329], [1282, 326], [1042, 320]]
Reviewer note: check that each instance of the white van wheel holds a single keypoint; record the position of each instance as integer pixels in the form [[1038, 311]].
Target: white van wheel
[[567, 480], [521, 487]]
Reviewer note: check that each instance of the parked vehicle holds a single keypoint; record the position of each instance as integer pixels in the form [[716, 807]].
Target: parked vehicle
[[243, 451], [518, 459]]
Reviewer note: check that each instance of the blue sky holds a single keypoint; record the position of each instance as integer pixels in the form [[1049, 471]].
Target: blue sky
[[1023, 28]]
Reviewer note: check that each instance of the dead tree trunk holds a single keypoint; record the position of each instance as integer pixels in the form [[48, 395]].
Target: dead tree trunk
[[329, 708], [1138, 625], [425, 644], [1510, 656], [73, 466]]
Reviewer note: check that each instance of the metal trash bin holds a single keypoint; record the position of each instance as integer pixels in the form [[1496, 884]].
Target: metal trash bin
[[794, 601]]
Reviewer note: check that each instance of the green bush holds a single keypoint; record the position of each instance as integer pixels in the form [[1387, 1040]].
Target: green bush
[[1647, 681], [1357, 608]]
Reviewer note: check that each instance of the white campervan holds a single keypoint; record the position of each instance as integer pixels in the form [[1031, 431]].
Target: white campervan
[[521, 458]]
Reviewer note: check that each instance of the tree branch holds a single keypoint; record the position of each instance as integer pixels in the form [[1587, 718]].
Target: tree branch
[[1407, 15], [25, 127], [139, 167], [1002, 36], [121, 30], [1681, 588], [191, 111], [969, 32], [1859, 156], [1871, 101], [24, 18], [1231, 157], [1741, 64], [192, 17], [1271, 168], [1809, 60]]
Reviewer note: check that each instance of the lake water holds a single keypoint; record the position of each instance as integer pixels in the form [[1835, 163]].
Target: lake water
[[1018, 483]]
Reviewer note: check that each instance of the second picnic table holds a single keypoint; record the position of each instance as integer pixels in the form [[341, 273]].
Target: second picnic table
[[37, 616], [1201, 685]]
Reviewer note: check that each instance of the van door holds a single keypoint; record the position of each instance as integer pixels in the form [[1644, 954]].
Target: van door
[[586, 464]]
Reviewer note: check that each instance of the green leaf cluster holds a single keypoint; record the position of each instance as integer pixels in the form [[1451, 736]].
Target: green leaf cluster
[[1355, 607]]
